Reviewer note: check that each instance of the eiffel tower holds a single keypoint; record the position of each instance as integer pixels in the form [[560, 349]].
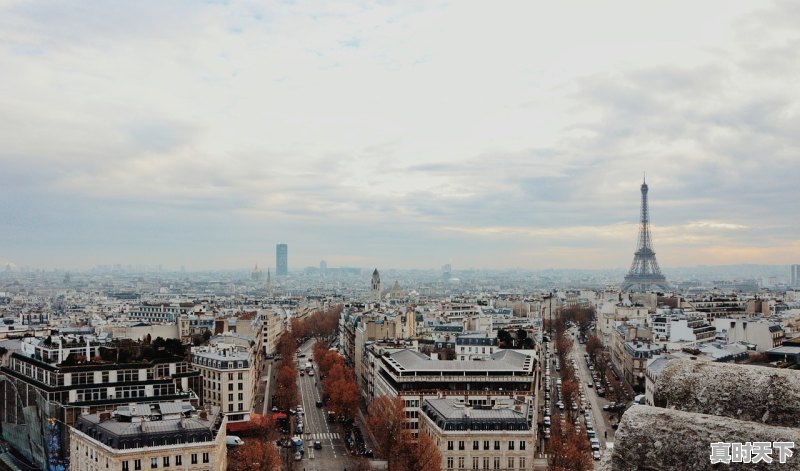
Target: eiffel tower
[[644, 273]]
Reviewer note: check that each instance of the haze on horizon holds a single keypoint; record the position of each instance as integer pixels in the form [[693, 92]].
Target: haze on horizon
[[401, 134]]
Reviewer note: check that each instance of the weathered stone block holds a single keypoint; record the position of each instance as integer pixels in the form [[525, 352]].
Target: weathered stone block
[[766, 395], [657, 439]]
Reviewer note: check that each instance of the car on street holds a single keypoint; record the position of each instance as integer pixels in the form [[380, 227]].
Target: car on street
[[317, 445], [596, 455], [595, 443]]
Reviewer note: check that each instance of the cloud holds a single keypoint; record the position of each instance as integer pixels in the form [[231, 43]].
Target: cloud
[[361, 130]]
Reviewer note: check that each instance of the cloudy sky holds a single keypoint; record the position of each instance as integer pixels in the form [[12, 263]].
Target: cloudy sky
[[398, 134]]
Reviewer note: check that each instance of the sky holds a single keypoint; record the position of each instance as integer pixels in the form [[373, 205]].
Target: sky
[[398, 134]]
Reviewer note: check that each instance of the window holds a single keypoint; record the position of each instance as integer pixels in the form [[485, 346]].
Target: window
[[461, 462], [461, 444], [241, 376], [474, 462], [485, 462], [230, 407], [522, 463], [497, 444], [137, 464], [178, 460], [522, 444], [241, 396], [511, 463], [449, 462], [496, 462], [154, 462], [511, 445], [476, 445], [230, 386], [205, 457], [166, 461], [449, 444], [486, 444], [230, 376], [125, 466], [241, 386], [194, 458], [230, 397]]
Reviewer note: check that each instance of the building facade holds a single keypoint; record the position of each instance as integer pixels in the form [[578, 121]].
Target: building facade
[[169, 436], [229, 378], [497, 437]]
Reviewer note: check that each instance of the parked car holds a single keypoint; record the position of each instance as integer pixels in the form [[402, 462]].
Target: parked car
[[595, 443], [233, 440], [596, 455]]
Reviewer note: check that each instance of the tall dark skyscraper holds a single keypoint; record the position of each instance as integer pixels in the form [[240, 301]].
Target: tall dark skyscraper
[[795, 275], [281, 260]]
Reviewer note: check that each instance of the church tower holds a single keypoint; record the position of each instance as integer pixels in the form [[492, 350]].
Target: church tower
[[376, 287]]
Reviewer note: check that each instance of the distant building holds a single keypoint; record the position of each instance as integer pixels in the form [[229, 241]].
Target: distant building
[[375, 293], [478, 346], [166, 435], [161, 312], [795, 275], [476, 435], [762, 334], [281, 260]]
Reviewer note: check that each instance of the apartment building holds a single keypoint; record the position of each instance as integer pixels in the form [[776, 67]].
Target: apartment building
[[414, 377], [229, 376], [162, 312], [761, 333], [165, 435], [88, 374], [63, 377], [497, 437], [475, 346]]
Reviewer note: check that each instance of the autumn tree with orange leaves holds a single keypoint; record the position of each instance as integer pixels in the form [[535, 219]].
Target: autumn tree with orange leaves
[[386, 423], [255, 455], [421, 455]]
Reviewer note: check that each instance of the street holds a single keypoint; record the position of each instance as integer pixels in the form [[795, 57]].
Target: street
[[333, 455]]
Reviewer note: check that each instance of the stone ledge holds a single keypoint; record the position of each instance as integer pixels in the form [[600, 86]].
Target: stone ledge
[[764, 395], [657, 439]]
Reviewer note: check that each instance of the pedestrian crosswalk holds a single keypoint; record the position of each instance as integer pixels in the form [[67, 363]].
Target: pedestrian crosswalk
[[322, 436]]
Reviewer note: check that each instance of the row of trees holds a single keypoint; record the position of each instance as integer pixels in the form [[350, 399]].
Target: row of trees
[[339, 383], [286, 392], [387, 423], [320, 324], [567, 449]]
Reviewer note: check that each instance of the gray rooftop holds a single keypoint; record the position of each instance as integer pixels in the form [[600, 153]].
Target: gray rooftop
[[138, 425], [451, 414], [504, 360]]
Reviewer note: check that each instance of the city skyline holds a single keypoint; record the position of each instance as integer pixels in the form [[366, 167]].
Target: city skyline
[[398, 135]]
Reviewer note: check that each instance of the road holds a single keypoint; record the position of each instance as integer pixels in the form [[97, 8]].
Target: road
[[333, 454], [602, 426]]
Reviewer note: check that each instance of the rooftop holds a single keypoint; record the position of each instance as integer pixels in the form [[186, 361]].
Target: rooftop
[[451, 414], [139, 425], [504, 360]]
